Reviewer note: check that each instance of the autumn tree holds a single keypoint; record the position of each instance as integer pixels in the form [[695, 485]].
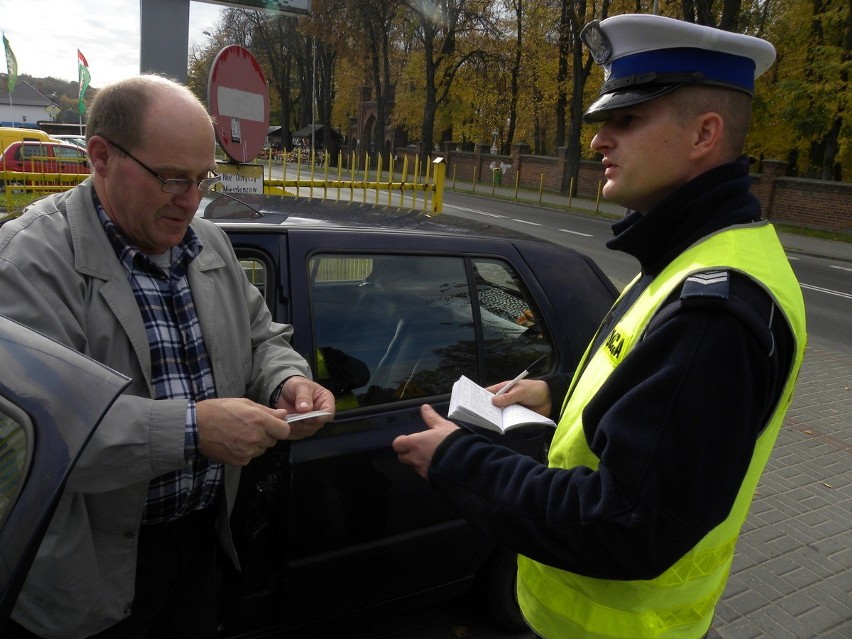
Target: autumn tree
[[460, 69], [518, 11], [575, 15], [539, 72], [376, 24], [820, 97], [447, 32], [802, 102], [274, 41], [325, 34]]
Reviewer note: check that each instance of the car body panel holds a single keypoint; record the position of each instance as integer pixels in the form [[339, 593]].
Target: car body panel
[[51, 400]]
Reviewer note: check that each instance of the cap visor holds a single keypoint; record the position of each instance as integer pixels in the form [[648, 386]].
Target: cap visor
[[600, 109]]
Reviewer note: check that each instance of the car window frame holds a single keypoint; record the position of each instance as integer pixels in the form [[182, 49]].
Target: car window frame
[[279, 297]]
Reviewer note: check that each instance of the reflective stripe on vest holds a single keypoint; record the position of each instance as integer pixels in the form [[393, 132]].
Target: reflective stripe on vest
[[680, 602]]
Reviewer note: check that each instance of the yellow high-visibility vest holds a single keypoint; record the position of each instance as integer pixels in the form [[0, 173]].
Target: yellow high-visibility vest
[[680, 602]]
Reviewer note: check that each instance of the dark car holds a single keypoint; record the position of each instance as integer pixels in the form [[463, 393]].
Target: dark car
[[51, 400], [390, 307]]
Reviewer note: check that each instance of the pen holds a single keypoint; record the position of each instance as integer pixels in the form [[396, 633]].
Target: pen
[[521, 376]]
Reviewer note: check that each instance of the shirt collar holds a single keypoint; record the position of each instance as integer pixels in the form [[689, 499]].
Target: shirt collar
[[129, 254]]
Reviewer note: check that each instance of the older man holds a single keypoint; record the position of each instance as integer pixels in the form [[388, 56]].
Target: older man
[[120, 269]]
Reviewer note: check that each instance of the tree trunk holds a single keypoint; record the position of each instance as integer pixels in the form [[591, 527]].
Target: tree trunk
[[562, 72]]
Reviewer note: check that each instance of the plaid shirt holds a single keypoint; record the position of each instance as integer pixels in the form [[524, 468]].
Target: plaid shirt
[[180, 366]]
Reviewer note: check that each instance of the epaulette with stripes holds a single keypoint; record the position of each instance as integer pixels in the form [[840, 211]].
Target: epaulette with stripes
[[707, 284]]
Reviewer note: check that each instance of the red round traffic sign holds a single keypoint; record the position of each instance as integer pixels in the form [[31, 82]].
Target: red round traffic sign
[[238, 98]]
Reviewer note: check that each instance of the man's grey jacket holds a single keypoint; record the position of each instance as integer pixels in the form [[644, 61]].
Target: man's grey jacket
[[60, 276]]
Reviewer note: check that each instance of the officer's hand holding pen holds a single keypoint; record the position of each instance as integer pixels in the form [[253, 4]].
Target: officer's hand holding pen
[[532, 393], [520, 376], [511, 383]]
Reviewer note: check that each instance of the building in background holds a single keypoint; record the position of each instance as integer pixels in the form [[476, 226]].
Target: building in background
[[26, 107]]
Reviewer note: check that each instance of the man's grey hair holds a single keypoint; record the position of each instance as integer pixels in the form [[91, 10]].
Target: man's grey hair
[[118, 110]]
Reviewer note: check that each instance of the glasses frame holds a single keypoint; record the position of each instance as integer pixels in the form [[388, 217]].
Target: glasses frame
[[175, 186]]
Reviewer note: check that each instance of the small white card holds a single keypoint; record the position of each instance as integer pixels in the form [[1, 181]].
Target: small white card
[[297, 417]]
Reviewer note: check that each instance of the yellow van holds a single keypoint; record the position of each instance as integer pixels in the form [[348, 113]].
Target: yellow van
[[9, 134]]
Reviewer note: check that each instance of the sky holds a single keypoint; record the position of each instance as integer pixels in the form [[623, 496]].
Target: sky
[[45, 34]]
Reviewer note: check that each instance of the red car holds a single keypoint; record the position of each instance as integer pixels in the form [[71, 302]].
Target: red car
[[44, 157]]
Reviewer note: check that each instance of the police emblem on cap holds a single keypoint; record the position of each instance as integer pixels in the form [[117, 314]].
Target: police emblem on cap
[[646, 56], [597, 42]]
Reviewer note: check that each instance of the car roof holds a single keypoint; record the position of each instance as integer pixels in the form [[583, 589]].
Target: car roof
[[305, 213], [60, 143], [76, 140]]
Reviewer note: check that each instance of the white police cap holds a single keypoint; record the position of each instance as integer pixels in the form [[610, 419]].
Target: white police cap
[[646, 56]]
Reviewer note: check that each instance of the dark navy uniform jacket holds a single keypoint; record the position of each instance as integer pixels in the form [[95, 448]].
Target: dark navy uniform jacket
[[719, 342]]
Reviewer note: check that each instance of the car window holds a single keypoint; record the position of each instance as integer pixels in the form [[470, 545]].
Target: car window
[[513, 334], [15, 431], [33, 151], [396, 327], [255, 271], [67, 153]]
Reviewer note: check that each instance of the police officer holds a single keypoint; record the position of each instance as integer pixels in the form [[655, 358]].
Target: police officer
[[664, 430]]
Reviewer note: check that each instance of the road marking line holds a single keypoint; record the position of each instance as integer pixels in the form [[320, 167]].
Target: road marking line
[[840, 268], [477, 211], [848, 296], [498, 216]]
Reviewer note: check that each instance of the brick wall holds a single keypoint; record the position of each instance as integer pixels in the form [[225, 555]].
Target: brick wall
[[813, 203], [816, 204]]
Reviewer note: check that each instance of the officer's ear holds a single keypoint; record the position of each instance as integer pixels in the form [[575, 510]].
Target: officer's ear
[[707, 132]]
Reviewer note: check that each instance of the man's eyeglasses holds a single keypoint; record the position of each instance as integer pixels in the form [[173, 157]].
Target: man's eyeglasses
[[173, 185]]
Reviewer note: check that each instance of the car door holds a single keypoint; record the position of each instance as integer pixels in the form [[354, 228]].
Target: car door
[[36, 157], [388, 321]]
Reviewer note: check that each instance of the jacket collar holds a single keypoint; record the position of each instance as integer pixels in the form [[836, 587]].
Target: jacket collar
[[93, 253], [712, 201]]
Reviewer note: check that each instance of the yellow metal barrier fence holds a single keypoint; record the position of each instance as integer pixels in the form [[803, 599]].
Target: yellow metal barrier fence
[[19, 188], [403, 188], [312, 172]]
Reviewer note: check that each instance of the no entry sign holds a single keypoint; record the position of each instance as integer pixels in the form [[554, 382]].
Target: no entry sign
[[238, 99]]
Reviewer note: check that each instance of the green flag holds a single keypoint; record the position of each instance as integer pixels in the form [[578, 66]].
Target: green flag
[[83, 69], [11, 66]]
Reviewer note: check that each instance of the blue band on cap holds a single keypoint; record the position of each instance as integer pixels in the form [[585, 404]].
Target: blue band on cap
[[717, 67]]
